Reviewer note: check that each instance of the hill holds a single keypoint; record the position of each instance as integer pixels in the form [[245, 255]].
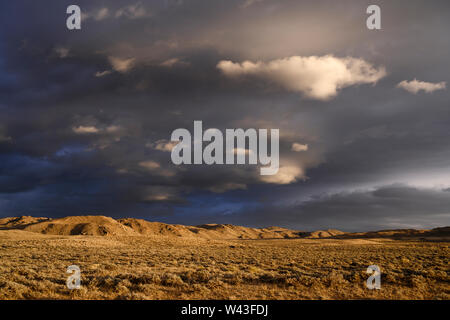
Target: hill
[[107, 226]]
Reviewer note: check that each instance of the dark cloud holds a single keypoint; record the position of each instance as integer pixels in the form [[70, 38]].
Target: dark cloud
[[393, 206], [75, 129]]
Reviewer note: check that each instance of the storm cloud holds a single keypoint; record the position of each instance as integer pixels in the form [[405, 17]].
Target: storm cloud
[[87, 115], [385, 207]]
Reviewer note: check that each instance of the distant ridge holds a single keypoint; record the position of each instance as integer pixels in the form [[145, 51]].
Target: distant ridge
[[107, 226]]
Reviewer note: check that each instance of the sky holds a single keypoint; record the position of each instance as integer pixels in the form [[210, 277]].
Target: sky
[[86, 115]]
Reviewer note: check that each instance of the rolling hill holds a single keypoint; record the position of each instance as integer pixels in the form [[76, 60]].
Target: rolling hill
[[107, 226]]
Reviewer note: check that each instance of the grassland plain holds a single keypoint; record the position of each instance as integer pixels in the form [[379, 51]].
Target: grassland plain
[[33, 266]]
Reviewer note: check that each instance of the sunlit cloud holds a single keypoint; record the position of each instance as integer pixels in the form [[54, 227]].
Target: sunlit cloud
[[85, 129], [415, 86], [120, 64], [315, 77], [298, 147], [285, 175]]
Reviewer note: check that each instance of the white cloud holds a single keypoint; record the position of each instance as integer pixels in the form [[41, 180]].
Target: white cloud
[[97, 14], [121, 65], [285, 175], [298, 147], [163, 145], [112, 129], [102, 73], [133, 11], [85, 129], [174, 62], [315, 77], [415, 86], [151, 165], [155, 168], [101, 14]]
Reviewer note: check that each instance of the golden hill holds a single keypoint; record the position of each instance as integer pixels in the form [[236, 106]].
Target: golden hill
[[107, 226], [104, 226]]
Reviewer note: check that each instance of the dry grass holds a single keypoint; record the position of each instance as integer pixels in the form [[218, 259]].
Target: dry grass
[[33, 266]]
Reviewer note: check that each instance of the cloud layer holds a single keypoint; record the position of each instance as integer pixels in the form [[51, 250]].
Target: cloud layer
[[402, 206], [86, 116]]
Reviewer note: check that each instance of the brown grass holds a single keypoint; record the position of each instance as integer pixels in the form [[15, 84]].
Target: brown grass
[[33, 266]]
